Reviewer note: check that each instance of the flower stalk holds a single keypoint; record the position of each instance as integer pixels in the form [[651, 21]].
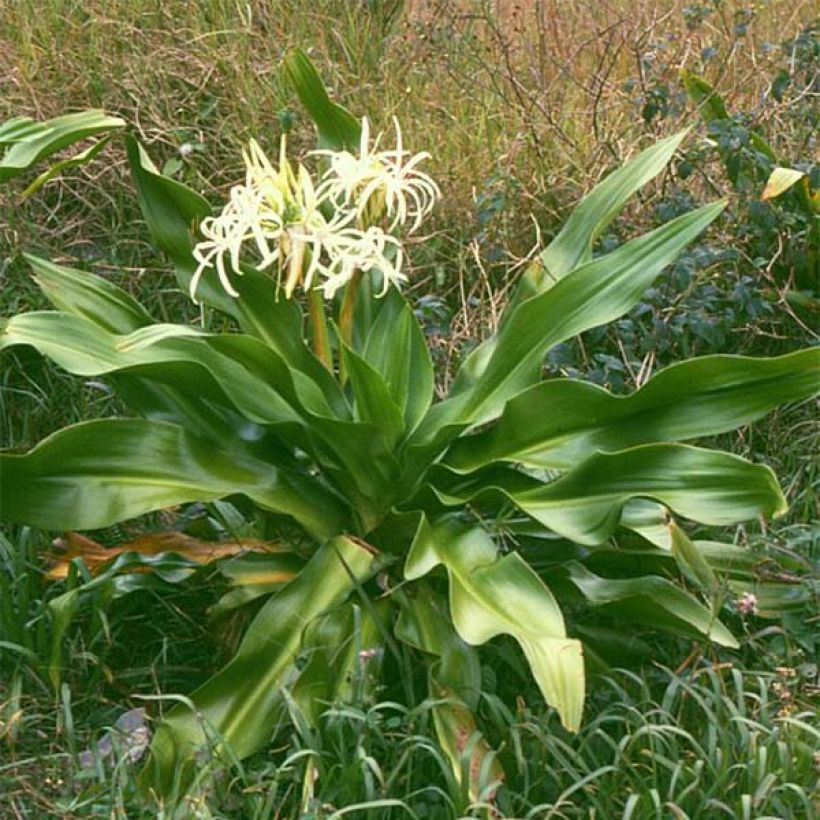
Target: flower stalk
[[318, 327], [347, 312]]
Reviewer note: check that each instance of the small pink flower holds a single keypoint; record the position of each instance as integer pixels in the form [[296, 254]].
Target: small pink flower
[[367, 655], [746, 604]]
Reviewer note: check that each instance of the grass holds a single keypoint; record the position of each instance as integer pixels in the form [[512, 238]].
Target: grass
[[713, 742], [523, 106], [530, 101]]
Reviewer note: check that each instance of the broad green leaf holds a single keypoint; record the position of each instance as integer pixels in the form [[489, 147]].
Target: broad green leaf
[[492, 595], [373, 402], [343, 650], [253, 576], [354, 456], [558, 423], [112, 309], [454, 684], [425, 624], [18, 128], [228, 370], [31, 142], [180, 356], [88, 295], [648, 519], [652, 601], [338, 129], [199, 415], [263, 312], [396, 348], [595, 293], [585, 504], [98, 473], [691, 562], [262, 563], [328, 647], [235, 709], [171, 210], [573, 244]]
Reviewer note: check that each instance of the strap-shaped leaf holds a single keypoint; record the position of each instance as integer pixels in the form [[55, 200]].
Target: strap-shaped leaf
[[373, 401], [337, 128], [30, 142], [454, 683], [691, 561], [424, 623], [651, 601], [573, 244], [77, 161], [18, 128], [173, 354], [171, 210], [229, 371], [98, 473], [595, 293], [585, 504], [235, 709], [558, 423], [88, 295], [396, 348], [253, 576], [343, 651], [492, 595], [365, 471], [201, 416]]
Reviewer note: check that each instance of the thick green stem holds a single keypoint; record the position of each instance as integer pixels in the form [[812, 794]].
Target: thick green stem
[[346, 313], [318, 326]]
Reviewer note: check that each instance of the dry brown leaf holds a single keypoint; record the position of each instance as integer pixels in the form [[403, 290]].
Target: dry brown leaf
[[95, 555]]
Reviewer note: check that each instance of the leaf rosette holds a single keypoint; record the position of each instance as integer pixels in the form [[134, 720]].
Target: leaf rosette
[[436, 524]]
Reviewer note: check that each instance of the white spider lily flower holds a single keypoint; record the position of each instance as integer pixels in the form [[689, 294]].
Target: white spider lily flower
[[279, 214], [305, 236], [226, 233], [276, 211], [355, 250], [378, 183]]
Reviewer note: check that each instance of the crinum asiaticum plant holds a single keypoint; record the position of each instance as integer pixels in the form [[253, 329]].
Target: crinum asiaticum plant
[[414, 514]]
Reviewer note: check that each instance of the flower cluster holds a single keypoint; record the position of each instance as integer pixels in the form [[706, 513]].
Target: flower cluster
[[319, 235], [746, 604]]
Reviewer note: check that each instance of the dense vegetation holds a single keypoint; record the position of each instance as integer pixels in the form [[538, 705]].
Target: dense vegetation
[[524, 107]]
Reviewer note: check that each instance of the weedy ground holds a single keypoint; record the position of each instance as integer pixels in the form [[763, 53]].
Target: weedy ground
[[523, 106]]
